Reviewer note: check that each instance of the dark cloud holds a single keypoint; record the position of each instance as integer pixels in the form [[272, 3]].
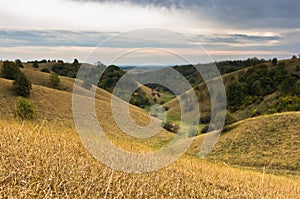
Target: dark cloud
[[234, 13]]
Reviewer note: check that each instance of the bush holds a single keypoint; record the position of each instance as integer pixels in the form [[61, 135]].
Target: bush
[[54, 79], [45, 70], [207, 129], [35, 64], [21, 85], [171, 127], [274, 61], [205, 119], [9, 70], [25, 109]]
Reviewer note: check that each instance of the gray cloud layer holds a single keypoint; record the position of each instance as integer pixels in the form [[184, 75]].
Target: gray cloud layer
[[235, 13], [11, 38]]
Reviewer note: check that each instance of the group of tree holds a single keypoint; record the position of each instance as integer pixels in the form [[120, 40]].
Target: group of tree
[[191, 73], [66, 69], [259, 82], [21, 85]]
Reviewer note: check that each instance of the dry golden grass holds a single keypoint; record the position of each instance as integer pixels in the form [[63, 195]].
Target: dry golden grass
[[56, 106], [43, 160], [42, 79], [271, 142]]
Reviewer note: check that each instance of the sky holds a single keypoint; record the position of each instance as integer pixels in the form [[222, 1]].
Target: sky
[[142, 32]]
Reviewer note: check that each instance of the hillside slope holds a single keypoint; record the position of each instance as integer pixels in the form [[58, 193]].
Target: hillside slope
[[256, 90], [271, 142], [44, 160], [56, 106]]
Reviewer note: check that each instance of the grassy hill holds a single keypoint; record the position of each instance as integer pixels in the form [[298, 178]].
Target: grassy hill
[[56, 106], [269, 142], [265, 98], [45, 158]]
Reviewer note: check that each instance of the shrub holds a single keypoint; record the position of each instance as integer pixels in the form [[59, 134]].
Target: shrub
[[21, 85], [205, 119], [171, 127], [274, 61], [45, 70], [35, 64], [207, 129], [9, 70], [54, 79], [25, 109]]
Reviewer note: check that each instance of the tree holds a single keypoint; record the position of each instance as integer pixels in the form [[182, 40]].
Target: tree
[[274, 61], [25, 109], [19, 63], [9, 70], [296, 90], [75, 62], [236, 92], [21, 85], [54, 79], [45, 70], [35, 64], [76, 65], [288, 85]]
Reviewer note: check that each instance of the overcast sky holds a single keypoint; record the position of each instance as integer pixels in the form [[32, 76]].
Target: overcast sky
[[226, 29]]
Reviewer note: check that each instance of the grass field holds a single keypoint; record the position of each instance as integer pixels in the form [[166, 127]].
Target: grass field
[[271, 142], [44, 160]]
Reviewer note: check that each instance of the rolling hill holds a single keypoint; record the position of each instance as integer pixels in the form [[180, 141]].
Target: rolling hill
[[45, 158], [247, 103], [269, 143]]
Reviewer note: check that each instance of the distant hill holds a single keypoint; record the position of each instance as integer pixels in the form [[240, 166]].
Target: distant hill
[[261, 89]]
